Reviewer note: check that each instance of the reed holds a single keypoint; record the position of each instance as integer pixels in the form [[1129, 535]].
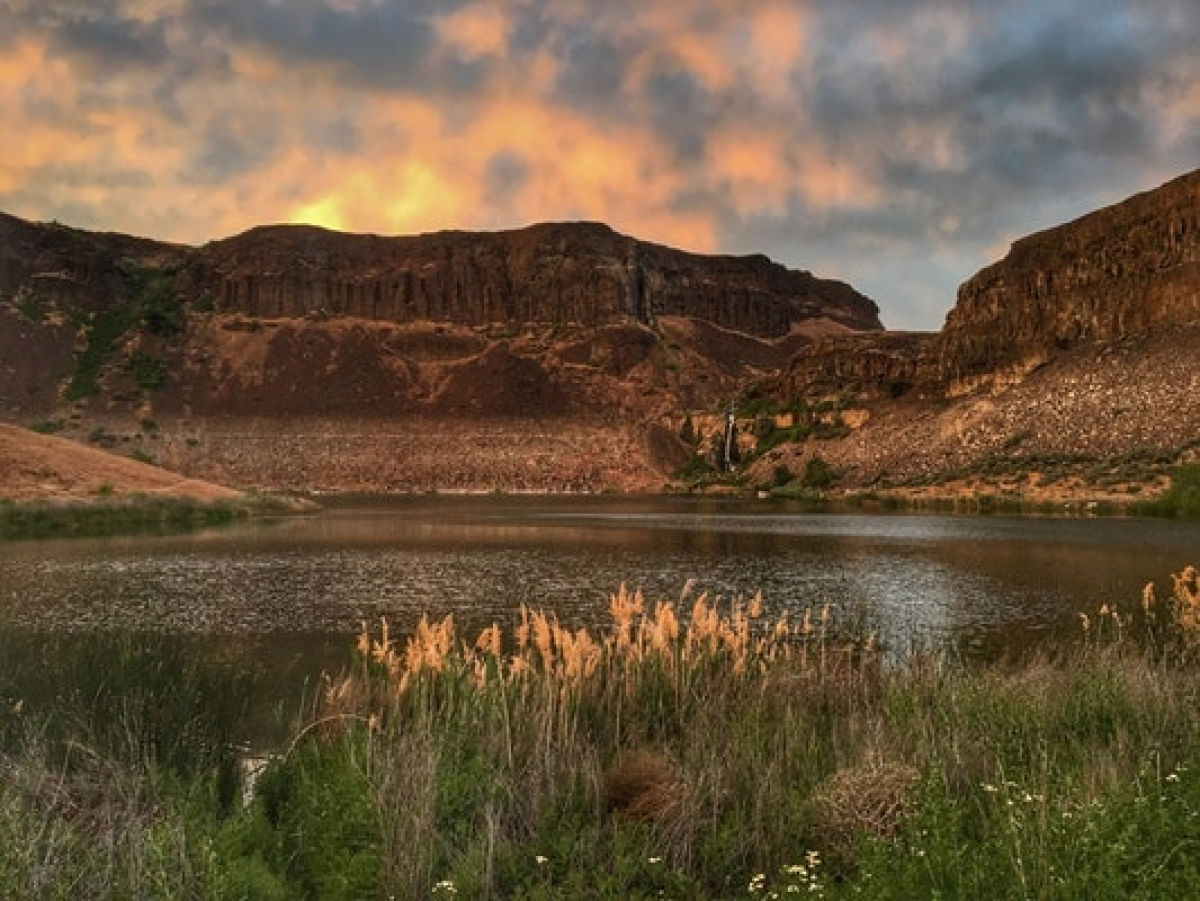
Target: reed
[[692, 748]]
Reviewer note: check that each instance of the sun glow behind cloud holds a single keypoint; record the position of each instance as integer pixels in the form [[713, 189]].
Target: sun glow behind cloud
[[856, 139]]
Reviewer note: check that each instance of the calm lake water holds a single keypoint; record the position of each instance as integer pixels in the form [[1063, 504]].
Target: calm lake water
[[286, 596]]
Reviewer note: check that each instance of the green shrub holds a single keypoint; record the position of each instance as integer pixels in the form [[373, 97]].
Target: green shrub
[[149, 373], [818, 474], [1182, 499]]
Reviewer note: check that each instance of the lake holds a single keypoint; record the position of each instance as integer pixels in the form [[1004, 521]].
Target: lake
[[284, 597]]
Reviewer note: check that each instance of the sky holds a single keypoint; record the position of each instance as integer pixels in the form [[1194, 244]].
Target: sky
[[899, 145]]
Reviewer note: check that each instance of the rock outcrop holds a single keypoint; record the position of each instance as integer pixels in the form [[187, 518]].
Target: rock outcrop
[[56, 266], [1110, 274], [1081, 347], [872, 365], [1119, 272], [581, 274]]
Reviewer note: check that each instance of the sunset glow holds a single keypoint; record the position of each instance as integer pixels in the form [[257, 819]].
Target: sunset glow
[[861, 141]]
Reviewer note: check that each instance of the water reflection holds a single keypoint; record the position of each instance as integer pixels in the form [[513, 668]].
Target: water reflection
[[980, 583]]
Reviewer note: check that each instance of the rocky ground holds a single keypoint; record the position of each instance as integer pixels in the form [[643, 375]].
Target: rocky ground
[[1100, 421]]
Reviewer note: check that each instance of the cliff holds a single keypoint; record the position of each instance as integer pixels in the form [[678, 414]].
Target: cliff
[[1113, 273], [562, 273], [551, 357], [1119, 272], [1075, 358]]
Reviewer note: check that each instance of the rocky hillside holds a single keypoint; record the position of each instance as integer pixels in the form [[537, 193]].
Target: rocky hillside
[[1081, 348], [554, 357]]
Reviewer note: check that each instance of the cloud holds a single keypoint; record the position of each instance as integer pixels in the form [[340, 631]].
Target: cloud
[[893, 143]]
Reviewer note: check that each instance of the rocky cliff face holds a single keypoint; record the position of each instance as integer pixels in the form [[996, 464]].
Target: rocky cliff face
[[582, 274], [873, 365], [1113, 273], [553, 357], [56, 266], [1120, 272], [1081, 347]]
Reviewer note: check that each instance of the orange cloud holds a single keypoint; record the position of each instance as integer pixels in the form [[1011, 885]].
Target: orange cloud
[[475, 31]]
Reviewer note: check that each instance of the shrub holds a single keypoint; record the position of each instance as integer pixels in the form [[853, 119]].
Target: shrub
[[818, 474], [149, 373]]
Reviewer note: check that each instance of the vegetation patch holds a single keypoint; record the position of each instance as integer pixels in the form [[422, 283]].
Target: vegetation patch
[[149, 372], [700, 751], [112, 517], [1182, 499], [150, 303]]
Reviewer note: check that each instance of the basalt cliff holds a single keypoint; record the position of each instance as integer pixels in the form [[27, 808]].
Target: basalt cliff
[[1071, 364], [568, 357], [556, 357]]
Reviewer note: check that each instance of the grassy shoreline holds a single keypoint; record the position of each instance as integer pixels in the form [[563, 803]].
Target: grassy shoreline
[[691, 750], [135, 514]]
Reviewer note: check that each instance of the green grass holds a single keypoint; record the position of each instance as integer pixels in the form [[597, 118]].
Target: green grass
[[108, 516], [1182, 499], [730, 756]]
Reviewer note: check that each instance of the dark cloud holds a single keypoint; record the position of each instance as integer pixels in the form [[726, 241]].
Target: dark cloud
[[384, 45], [593, 72], [112, 42], [505, 173], [679, 112], [230, 147]]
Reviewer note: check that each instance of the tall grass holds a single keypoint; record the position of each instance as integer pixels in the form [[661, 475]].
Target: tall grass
[[690, 750], [137, 514]]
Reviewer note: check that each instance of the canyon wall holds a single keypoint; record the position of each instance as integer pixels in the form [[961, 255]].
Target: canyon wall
[[1113, 273], [1119, 272], [582, 274]]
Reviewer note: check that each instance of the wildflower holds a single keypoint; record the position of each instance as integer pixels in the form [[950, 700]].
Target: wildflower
[[989, 788], [797, 869], [654, 860], [757, 882], [541, 860], [813, 858], [446, 886], [1172, 777]]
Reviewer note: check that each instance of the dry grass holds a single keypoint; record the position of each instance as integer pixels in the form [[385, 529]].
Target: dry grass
[[642, 785], [871, 800]]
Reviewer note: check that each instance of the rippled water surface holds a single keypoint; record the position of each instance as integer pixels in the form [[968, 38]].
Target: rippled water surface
[[293, 591], [929, 576]]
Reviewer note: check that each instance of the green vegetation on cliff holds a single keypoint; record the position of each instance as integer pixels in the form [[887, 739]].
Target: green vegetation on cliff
[[149, 303]]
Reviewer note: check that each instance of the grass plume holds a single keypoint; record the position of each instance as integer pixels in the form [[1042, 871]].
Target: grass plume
[[697, 748]]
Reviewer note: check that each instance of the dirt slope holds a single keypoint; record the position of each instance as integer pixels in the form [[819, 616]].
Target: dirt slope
[[42, 467]]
